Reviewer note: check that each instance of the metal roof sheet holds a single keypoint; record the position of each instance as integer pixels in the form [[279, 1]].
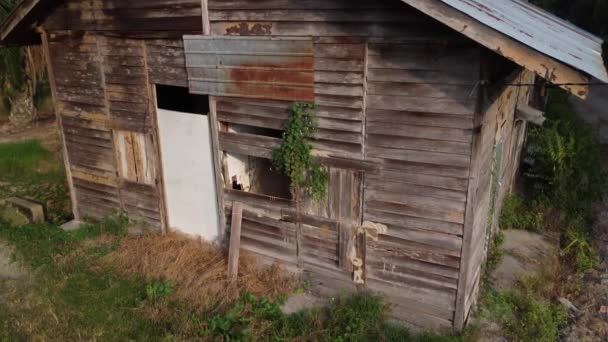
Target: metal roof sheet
[[539, 30]]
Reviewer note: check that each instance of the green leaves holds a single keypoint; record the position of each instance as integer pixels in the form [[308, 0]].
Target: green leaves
[[159, 289], [294, 157]]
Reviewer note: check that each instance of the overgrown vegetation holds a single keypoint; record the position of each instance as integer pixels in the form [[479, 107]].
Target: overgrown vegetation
[[294, 157], [565, 178]]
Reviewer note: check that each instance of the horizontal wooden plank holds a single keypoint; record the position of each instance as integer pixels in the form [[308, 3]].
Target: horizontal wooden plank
[[417, 144], [422, 104], [400, 219], [393, 166], [452, 76], [451, 91], [420, 119], [299, 5], [448, 210], [458, 160], [315, 15], [411, 209], [412, 189], [392, 247], [338, 77]]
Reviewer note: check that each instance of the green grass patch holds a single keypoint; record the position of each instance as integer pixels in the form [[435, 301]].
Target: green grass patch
[[81, 299], [19, 160], [77, 295], [30, 171], [516, 213]]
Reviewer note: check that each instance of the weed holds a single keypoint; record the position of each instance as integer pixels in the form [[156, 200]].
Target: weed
[[517, 214], [159, 289], [578, 248]]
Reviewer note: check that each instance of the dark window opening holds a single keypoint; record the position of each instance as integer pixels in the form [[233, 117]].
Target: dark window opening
[[256, 175], [179, 99], [266, 132], [267, 181]]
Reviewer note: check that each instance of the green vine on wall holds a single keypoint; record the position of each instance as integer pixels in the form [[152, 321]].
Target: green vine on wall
[[294, 157]]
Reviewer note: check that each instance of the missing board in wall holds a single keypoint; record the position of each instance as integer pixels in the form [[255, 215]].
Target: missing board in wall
[[254, 174], [179, 99]]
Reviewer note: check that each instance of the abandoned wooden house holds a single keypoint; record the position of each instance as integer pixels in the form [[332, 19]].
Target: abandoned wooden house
[[170, 110]]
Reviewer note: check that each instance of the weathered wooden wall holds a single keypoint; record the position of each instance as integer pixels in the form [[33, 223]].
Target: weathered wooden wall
[[496, 162], [129, 18], [421, 97], [400, 126], [396, 94], [103, 76]]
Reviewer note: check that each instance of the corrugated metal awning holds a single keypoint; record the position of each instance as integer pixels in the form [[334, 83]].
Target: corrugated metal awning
[[539, 30], [259, 67]]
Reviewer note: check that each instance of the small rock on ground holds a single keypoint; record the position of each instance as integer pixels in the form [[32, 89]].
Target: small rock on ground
[[9, 270]]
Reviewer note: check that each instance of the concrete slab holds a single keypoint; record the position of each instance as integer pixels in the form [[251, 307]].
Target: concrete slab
[[524, 254], [71, 226], [9, 270], [34, 211]]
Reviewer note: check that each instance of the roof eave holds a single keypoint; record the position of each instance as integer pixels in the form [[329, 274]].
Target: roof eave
[[552, 70], [19, 28]]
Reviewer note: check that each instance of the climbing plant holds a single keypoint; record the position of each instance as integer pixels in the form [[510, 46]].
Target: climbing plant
[[294, 157]]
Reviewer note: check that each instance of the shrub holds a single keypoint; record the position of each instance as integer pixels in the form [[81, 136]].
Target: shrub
[[567, 169], [538, 321], [524, 315]]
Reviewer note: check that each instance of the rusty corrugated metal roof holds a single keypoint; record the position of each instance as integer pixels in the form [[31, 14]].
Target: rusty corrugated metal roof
[[539, 30]]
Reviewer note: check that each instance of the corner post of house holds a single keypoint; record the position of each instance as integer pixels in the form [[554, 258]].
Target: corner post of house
[[66, 158], [460, 315]]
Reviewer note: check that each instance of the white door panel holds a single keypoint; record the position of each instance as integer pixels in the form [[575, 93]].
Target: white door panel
[[189, 178]]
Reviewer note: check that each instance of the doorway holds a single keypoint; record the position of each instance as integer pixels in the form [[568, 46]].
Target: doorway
[[187, 162]]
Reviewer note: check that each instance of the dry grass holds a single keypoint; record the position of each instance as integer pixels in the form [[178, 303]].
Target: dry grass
[[198, 270]]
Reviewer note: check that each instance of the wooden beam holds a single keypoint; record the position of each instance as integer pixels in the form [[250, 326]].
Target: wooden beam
[[530, 114], [544, 66], [235, 241], [205, 17], [16, 16], [469, 218], [66, 159]]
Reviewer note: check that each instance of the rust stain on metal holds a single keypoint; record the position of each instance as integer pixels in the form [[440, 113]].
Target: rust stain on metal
[[246, 29], [293, 80]]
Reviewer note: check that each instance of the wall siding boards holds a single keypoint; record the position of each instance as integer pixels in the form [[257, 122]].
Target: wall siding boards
[[102, 95], [420, 130]]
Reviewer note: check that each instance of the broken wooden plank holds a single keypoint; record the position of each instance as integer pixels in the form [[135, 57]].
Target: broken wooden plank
[[530, 114], [235, 241]]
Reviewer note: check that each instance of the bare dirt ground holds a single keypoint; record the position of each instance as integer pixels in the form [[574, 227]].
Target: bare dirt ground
[[44, 130]]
